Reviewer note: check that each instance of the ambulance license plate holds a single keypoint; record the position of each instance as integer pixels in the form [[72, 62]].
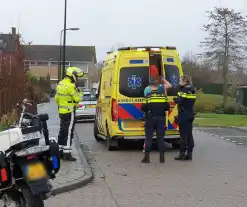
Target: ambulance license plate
[[132, 124]]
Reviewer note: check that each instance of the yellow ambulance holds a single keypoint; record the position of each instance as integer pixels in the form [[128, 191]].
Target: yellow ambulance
[[124, 76]]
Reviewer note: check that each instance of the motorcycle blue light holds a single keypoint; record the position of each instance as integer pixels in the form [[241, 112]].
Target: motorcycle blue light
[[54, 162]]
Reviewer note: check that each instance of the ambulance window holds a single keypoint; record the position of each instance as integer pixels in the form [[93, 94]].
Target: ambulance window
[[133, 81], [172, 76], [99, 86]]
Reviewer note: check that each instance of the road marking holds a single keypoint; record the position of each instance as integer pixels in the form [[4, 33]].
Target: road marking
[[234, 136], [222, 137], [227, 139]]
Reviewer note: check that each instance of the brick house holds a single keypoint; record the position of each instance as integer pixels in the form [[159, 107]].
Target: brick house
[[42, 60]]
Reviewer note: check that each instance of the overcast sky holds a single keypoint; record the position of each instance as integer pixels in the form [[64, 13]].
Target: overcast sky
[[104, 23]]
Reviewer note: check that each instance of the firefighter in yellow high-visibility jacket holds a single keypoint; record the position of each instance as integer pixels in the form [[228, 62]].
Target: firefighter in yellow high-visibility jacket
[[67, 98]]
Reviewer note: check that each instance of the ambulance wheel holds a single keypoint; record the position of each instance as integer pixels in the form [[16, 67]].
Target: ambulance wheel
[[175, 145], [111, 143], [96, 132]]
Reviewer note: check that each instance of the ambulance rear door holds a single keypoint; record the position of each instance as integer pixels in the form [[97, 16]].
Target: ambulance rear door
[[133, 79]]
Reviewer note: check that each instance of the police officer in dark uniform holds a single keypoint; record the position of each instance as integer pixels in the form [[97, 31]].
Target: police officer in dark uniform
[[155, 107], [185, 100]]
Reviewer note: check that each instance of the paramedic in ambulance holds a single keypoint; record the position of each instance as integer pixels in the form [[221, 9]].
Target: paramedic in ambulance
[[154, 72], [67, 98], [154, 108]]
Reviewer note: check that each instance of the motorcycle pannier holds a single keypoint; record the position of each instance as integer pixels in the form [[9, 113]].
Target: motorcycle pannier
[[53, 161], [5, 172]]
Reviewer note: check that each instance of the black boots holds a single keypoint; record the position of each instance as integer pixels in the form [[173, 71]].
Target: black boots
[[146, 158], [182, 156], [61, 154], [68, 157], [162, 157], [188, 156]]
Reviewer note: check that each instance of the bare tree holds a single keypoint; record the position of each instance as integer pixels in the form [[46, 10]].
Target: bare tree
[[226, 42], [116, 46]]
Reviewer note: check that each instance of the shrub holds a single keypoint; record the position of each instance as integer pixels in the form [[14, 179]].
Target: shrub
[[241, 109], [218, 109], [230, 109], [8, 119], [204, 104], [31, 78]]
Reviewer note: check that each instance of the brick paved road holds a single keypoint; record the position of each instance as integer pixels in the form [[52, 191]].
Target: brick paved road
[[216, 177]]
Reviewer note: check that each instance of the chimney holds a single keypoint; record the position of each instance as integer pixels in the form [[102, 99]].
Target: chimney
[[13, 31]]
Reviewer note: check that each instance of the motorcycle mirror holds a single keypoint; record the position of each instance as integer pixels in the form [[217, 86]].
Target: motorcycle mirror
[[24, 101], [17, 105]]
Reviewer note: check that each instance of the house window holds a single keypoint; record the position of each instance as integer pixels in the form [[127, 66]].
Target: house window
[[54, 63], [33, 62], [83, 83], [83, 66], [26, 63], [26, 67], [42, 62]]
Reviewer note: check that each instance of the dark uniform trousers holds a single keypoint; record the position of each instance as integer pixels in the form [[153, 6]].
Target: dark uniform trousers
[[157, 125], [66, 133], [185, 121]]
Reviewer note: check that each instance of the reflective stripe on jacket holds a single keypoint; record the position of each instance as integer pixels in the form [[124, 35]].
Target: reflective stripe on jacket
[[156, 105], [157, 98], [187, 95], [186, 99], [67, 97]]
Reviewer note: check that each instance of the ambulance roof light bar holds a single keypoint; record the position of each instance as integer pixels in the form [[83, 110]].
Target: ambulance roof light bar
[[171, 48], [141, 48], [147, 48]]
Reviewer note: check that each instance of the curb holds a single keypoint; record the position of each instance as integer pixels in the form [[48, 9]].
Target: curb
[[87, 178], [240, 129], [222, 127]]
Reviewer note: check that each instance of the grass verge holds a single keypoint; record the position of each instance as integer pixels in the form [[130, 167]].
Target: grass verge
[[220, 120], [1, 127]]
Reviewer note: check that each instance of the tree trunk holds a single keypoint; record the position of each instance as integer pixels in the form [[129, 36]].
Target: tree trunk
[[225, 88], [224, 75]]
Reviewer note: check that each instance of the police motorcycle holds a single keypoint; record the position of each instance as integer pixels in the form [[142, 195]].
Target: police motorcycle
[[28, 159]]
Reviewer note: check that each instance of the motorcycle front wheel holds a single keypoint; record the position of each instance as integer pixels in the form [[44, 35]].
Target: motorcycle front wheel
[[22, 198]]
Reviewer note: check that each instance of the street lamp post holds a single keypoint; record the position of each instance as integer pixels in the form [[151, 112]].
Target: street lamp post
[[60, 53], [64, 35]]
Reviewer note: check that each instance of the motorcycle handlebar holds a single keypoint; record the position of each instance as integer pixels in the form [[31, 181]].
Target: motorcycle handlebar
[[25, 102], [28, 116]]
